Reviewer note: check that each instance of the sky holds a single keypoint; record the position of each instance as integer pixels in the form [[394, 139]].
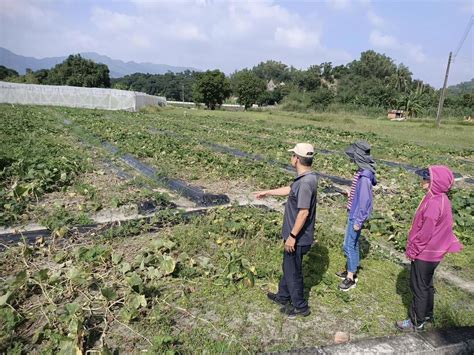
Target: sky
[[231, 35]]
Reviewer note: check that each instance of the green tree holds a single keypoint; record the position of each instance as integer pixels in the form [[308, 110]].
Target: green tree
[[310, 79], [373, 64], [77, 71], [272, 70], [248, 87], [321, 98], [7, 72], [211, 88], [413, 101], [401, 79]]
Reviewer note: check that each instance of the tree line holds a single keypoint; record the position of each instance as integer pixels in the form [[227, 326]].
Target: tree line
[[372, 83]]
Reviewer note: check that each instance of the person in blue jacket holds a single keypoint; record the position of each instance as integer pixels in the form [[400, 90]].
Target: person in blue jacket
[[359, 208]]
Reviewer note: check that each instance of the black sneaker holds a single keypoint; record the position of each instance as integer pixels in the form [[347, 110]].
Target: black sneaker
[[274, 298], [347, 284], [293, 312], [343, 275]]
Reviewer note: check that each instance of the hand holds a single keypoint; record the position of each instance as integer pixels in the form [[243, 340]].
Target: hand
[[290, 244], [260, 194], [356, 227]]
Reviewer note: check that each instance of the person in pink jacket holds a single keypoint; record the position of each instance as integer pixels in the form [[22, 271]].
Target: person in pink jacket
[[430, 238]]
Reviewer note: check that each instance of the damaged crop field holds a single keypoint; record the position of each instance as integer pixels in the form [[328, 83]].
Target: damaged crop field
[[129, 232]]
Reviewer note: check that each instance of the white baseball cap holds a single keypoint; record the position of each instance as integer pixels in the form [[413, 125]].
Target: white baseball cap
[[304, 150]]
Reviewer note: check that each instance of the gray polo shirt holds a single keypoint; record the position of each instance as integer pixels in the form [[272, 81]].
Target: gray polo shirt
[[302, 195]]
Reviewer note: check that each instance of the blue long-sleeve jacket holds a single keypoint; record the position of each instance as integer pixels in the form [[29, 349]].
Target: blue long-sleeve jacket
[[361, 208]]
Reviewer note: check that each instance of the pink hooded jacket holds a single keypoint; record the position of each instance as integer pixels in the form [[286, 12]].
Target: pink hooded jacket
[[431, 235]]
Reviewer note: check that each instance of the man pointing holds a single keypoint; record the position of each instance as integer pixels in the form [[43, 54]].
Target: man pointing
[[297, 231]]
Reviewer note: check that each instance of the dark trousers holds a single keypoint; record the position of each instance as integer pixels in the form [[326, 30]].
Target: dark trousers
[[421, 285], [291, 284]]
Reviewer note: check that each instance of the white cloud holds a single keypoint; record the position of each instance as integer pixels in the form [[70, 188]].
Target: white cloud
[[405, 49], [187, 32], [138, 40], [375, 19], [295, 37], [339, 4], [113, 21], [380, 40], [415, 52], [27, 13]]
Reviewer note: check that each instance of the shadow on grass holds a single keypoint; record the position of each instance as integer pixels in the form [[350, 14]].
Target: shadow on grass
[[315, 265], [447, 314], [403, 287]]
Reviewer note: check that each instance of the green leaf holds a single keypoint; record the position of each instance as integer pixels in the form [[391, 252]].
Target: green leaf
[[108, 293], [116, 258], [42, 275], [162, 244], [135, 282], [127, 314], [72, 308], [77, 275]]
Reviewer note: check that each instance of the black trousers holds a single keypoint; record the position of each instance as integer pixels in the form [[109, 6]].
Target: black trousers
[[291, 284], [421, 285]]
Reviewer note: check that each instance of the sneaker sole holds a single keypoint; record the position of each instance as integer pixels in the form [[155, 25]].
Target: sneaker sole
[[343, 278], [299, 316], [349, 288]]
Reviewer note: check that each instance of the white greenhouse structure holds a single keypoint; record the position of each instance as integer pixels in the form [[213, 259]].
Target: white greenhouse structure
[[71, 96]]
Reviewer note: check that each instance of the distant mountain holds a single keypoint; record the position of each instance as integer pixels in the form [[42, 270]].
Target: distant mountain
[[466, 87], [118, 68]]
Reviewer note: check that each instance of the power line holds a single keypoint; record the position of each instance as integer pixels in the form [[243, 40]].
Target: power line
[[464, 36]]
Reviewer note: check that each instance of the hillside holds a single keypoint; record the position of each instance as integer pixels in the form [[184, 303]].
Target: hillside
[[118, 68]]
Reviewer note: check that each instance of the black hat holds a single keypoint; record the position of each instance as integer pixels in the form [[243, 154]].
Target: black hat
[[424, 173]]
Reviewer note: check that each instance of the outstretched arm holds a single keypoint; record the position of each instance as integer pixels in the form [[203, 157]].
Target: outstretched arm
[[282, 191]]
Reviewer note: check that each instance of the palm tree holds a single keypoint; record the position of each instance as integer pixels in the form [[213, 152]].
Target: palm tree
[[412, 101], [401, 79]]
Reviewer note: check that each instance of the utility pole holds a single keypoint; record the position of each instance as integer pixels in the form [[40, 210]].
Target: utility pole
[[441, 98], [182, 92]]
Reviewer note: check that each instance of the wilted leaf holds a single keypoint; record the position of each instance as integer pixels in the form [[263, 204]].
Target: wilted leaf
[[153, 273], [125, 267], [249, 280], [167, 265], [4, 298], [136, 301]]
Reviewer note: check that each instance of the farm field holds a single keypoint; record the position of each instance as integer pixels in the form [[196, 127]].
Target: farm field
[[186, 283]]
